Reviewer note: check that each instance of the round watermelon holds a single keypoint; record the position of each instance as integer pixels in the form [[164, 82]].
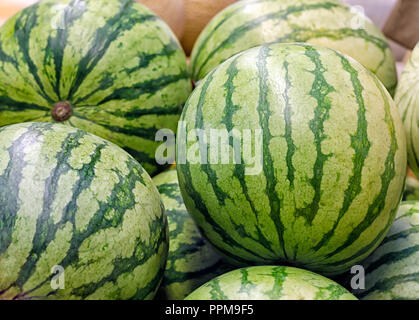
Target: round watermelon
[[192, 261], [392, 271], [79, 218], [110, 67], [271, 283], [407, 100], [329, 23], [311, 163]]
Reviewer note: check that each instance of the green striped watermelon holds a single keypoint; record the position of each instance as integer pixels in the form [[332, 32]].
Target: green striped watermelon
[[71, 200], [407, 100], [411, 191], [271, 283], [192, 261], [392, 271], [329, 23], [330, 171], [110, 67]]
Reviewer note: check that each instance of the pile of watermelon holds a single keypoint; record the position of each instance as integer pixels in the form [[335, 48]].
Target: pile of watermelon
[[291, 155]]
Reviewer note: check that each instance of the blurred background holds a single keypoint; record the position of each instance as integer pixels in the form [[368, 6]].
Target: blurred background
[[10, 7]]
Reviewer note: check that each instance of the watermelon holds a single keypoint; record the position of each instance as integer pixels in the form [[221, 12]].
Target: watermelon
[[271, 283], [411, 191], [110, 67], [392, 271], [321, 164], [329, 23], [192, 261], [407, 100], [76, 208]]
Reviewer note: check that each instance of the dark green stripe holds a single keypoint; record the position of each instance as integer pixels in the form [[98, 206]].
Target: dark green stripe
[[108, 78], [157, 110], [367, 249], [390, 283], [56, 45], [185, 249], [361, 146], [206, 168], [379, 202], [300, 34], [331, 292], [216, 291], [392, 258], [147, 87], [25, 22], [9, 182], [209, 36], [172, 191], [196, 197], [412, 211], [142, 157], [169, 49], [230, 108], [401, 234], [8, 104], [319, 91], [148, 133], [288, 127], [239, 169], [125, 19], [306, 34], [268, 164], [253, 24], [280, 275], [5, 58], [178, 217], [127, 115], [246, 286]]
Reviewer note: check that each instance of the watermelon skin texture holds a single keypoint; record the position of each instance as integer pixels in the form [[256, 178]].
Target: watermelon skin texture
[[407, 100], [411, 191], [392, 271], [192, 260], [118, 65], [271, 283], [333, 158], [329, 23], [72, 199]]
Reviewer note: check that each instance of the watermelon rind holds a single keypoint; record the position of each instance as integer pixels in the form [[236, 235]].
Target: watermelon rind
[[392, 271], [271, 283], [109, 67], [327, 182], [74, 202], [331, 23], [407, 100], [192, 260]]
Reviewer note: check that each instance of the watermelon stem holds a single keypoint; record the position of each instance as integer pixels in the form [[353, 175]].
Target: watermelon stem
[[61, 111]]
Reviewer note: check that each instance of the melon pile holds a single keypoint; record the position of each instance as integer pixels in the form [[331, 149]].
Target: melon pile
[[291, 154]]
